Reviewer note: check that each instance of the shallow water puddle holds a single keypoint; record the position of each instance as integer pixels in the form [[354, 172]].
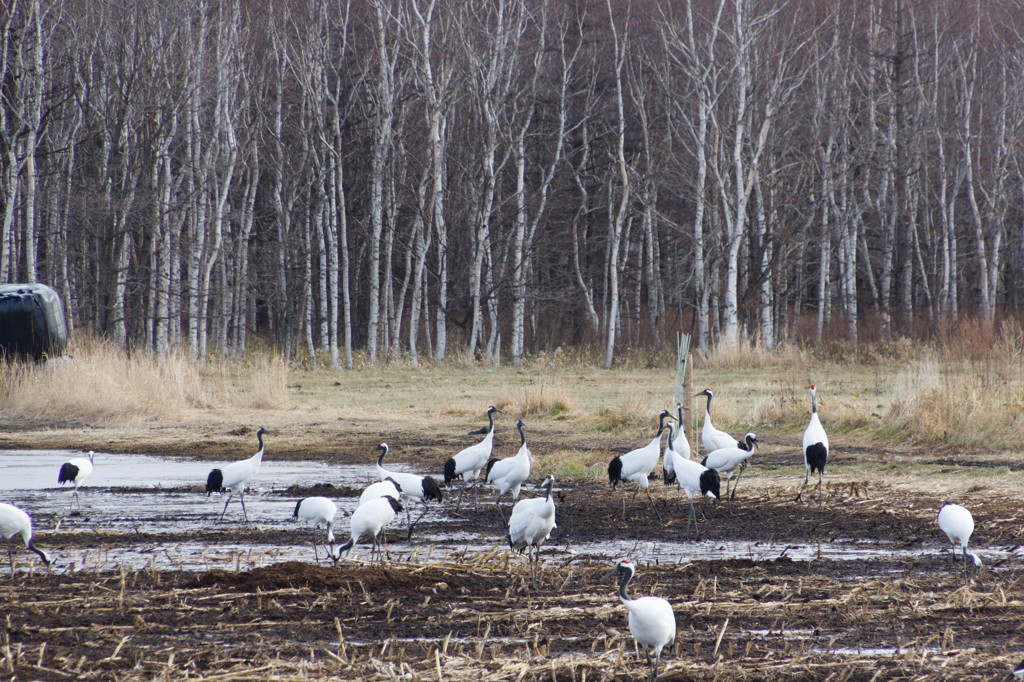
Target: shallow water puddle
[[140, 494]]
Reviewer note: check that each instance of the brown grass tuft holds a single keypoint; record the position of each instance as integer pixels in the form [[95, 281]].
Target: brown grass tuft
[[102, 383], [749, 355], [541, 398], [934, 404]]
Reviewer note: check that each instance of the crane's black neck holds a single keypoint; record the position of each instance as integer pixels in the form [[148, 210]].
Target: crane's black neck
[[259, 437], [627, 575], [814, 404], [490, 420], [679, 408], [670, 431], [41, 553], [383, 451], [661, 418], [547, 495], [750, 442], [522, 436], [708, 394]]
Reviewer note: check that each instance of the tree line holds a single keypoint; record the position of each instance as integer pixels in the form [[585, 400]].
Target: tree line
[[425, 177]]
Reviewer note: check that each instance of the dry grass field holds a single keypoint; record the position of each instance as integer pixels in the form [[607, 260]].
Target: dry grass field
[[909, 426]]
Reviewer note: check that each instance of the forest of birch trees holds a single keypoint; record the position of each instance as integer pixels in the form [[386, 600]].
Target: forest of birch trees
[[441, 179]]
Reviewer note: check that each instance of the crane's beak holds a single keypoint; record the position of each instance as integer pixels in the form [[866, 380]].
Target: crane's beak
[[611, 572]]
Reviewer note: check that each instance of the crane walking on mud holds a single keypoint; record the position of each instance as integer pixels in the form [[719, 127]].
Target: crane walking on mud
[[636, 465], [369, 518], [15, 522], [508, 474], [413, 486], [958, 524], [815, 448], [471, 461], [726, 460], [712, 438], [235, 476], [651, 619], [530, 525], [317, 510], [76, 471], [692, 478]]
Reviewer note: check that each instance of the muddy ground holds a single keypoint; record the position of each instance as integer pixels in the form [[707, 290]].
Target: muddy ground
[[439, 610]]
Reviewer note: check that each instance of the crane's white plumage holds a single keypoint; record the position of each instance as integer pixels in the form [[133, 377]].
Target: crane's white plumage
[[413, 486], [235, 476], [681, 445], [712, 438], [471, 461], [76, 471], [15, 522], [651, 619], [1018, 672], [691, 477], [317, 511], [815, 447], [530, 525], [636, 465], [375, 491], [958, 524], [371, 518], [727, 460], [507, 475]]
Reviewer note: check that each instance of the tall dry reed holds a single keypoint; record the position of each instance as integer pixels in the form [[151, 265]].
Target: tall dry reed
[[102, 383]]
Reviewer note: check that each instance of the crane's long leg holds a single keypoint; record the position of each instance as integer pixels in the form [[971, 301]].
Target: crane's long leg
[[497, 504], [10, 554], [461, 492], [654, 670], [536, 560], [418, 519], [679, 503], [820, 472], [241, 498], [734, 485], [653, 506], [230, 495], [692, 515], [806, 477]]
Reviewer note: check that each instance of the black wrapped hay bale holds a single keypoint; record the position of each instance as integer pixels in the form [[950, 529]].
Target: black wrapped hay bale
[[31, 322]]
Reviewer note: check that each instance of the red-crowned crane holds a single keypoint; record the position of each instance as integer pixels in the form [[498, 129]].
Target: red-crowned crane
[[76, 471], [471, 461], [815, 448], [15, 522], [317, 511], [712, 438], [681, 446], [508, 474], [692, 478], [369, 518], [636, 465], [530, 525], [651, 619], [375, 491], [726, 460], [413, 486], [235, 476], [958, 524]]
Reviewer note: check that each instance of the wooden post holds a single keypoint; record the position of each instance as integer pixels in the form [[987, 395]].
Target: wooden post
[[684, 391]]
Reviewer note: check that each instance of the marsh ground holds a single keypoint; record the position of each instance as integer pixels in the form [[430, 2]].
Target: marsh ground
[[887, 606]]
